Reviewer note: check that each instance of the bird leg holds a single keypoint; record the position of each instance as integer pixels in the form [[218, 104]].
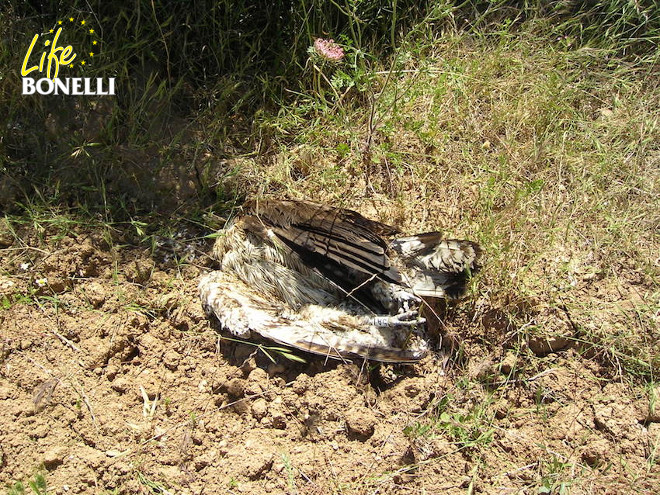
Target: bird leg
[[404, 319]]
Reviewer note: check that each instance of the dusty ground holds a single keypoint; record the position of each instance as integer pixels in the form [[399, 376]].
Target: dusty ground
[[112, 380]]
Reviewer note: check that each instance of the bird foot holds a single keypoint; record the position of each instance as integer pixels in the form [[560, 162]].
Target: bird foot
[[405, 319]]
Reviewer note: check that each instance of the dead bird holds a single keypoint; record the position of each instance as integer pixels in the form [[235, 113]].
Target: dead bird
[[330, 281]]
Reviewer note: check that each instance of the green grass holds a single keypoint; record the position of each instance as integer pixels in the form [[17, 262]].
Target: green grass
[[37, 485], [467, 426], [545, 154]]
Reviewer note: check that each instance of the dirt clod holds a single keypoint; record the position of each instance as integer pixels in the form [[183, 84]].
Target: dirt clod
[[54, 457], [543, 345], [360, 422], [259, 408]]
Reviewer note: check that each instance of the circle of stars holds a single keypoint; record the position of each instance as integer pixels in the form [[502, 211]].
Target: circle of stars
[[89, 31]]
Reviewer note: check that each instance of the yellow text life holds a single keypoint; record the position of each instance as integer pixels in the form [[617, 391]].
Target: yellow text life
[[53, 56]]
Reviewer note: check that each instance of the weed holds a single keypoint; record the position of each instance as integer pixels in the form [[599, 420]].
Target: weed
[[555, 479], [37, 484], [153, 486], [266, 350], [290, 474], [467, 429]]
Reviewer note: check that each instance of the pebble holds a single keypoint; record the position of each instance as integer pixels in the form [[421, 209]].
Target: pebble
[[509, 363], [541, 346]]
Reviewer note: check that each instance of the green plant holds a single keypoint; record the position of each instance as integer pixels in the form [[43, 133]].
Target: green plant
[[554, 478], [37, 484], [468, 428], [153, 486]]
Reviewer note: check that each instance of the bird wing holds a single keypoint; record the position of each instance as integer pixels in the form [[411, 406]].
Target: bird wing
[[330, 332], [431, 252], [341, 235]]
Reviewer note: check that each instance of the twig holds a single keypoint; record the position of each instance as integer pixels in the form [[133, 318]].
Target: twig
[[65, 340]]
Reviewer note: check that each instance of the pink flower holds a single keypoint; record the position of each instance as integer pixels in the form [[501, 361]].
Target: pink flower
[[328, 49]]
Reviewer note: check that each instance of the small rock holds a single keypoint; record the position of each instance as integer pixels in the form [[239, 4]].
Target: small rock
[[39, 431], [412, 389], [482, 370], [54, 457], [111, 371], [121, 468], [302, 384], [171, 360], [241, 407], [140, 271], [167, 301], [501, 409], [101, 350], [236, 387], [509, 363], [95, 294], [120, 385], [278, 419], [254, 462], [269, 487], [58, 284], [595, 453], [205, 459], [257, 382], [5, 392]]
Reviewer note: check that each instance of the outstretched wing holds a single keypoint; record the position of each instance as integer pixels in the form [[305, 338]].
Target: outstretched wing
[[317, 232], [323, 330]]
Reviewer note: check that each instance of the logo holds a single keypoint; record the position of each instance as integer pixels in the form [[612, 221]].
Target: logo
[[49, 58]]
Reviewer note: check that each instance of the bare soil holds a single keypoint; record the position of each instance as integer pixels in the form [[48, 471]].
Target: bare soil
[[112, 379]]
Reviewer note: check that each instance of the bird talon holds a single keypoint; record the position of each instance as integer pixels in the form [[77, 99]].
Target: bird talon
[[403, 319]]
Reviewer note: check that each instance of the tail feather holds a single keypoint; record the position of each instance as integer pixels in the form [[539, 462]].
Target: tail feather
[[437, 267]]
